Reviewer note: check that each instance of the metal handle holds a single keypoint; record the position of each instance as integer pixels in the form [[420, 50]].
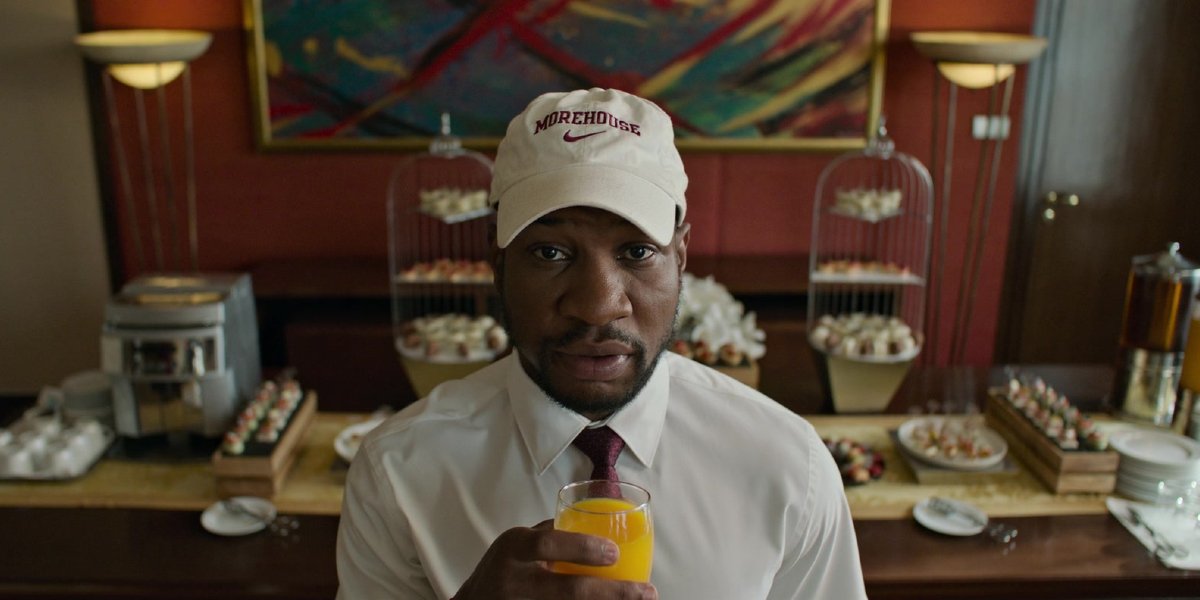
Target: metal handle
[[1052, 200]]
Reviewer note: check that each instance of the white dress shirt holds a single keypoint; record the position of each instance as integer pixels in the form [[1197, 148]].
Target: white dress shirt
[[746, 500]]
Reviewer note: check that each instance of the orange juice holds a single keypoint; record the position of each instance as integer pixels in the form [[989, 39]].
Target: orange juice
[[1190, 378], [619, 521]]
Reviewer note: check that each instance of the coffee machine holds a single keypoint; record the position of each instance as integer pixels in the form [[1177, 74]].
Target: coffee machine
[[182, 352], [1158, 304]]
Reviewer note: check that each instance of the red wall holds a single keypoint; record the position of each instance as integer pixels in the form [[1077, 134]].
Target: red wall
[[255, 207]]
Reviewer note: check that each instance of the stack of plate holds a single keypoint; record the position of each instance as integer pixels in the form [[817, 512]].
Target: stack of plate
[[1151, 456]]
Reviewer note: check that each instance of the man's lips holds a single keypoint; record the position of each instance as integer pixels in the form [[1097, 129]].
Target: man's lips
[[603, 361], [606, 348]]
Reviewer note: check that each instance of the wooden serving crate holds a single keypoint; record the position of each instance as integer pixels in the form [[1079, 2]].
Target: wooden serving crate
[[260, 471], [1062, 471]]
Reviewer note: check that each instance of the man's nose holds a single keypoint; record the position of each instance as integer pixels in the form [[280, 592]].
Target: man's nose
[[596, 292]]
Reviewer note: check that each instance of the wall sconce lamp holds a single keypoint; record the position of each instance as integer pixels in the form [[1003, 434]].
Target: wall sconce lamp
[[976, 61], [145, 60]]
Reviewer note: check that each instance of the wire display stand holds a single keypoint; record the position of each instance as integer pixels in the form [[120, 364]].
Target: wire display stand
[[868, 272], [444, 315]]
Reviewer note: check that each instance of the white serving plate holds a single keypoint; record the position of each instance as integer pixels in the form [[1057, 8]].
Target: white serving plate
[[952, 524], [993, 439], [220, 520], [1153, 477], [1128, 468], [1137, 490], [1156, 449]]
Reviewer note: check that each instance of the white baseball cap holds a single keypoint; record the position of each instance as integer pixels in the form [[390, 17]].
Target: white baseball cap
[[602, 148]]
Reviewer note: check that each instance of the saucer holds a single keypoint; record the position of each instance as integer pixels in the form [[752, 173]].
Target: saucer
[[222, 521], [967, 519], [347, 442]]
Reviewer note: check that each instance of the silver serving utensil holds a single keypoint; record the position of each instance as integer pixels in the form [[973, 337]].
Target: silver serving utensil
[[237, 508], [1163, 548], [948, 509], [1000, 532]]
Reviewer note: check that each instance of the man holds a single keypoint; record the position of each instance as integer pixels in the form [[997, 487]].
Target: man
[[443, 498]]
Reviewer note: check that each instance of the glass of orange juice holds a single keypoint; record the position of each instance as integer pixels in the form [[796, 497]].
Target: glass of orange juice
[[618, 511]]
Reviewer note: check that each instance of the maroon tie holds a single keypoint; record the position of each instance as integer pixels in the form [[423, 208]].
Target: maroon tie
[[602, 445]]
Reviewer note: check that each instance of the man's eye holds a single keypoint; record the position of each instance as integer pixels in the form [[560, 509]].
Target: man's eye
[[639, 253], [549, 253]]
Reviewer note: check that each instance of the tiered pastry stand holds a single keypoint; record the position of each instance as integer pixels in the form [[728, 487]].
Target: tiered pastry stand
[[867, 277], [441, 282]]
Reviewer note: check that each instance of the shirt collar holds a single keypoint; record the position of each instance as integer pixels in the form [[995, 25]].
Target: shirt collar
[[547, 428]]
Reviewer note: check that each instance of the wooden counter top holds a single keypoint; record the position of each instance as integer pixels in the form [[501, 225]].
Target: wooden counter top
[[146, 553], [131, 553]]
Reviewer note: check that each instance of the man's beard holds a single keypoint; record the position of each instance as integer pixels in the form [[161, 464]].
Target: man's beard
[[598, 402], [644, 360]]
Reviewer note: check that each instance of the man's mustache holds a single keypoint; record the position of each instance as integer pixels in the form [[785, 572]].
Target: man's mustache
[[603, 333]]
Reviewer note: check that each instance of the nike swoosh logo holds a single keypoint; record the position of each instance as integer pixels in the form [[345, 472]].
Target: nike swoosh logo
[[567, 137]]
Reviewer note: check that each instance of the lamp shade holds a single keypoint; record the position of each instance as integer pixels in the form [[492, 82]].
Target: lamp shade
[[140, 46], [144, 58], [978, 46], [975, 75]]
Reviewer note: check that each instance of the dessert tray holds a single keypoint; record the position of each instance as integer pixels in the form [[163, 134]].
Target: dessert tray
[[857, 271], [261, 447], [955, 443], [866, 337], [872, 205], [452, 339], [857, 462], [445, 270], [454, 205], [1052, 414], [1061, 445]]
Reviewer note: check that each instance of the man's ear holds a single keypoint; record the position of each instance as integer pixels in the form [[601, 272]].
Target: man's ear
[[683, 235]]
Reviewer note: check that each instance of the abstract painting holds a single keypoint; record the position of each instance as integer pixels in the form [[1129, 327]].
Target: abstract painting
[[733, 74]]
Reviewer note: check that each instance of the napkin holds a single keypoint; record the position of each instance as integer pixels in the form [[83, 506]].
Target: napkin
[[1167, 523]]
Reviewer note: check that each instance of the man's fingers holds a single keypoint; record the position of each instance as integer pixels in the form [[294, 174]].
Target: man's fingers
[[551, 545], [577, 586]]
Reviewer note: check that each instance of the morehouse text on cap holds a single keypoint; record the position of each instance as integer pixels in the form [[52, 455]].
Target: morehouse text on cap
[[599, 148], [584, 117]]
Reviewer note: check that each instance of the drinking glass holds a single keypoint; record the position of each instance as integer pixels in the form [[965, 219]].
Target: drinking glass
[[1183, 497], [618, 511]]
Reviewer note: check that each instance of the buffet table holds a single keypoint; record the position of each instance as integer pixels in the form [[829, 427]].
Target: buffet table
[[314, 486], [131, 529]]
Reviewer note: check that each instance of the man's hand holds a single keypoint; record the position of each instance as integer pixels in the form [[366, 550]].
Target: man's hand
[[518, 566]]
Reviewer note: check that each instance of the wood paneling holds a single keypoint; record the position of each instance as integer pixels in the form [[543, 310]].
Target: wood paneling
[[1114, 122]]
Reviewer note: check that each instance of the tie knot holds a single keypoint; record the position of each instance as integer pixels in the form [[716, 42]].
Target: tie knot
[[602, 445]]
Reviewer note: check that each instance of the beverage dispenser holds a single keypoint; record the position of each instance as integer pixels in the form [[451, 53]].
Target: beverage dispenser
[[1158, 302], [182, 351]]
